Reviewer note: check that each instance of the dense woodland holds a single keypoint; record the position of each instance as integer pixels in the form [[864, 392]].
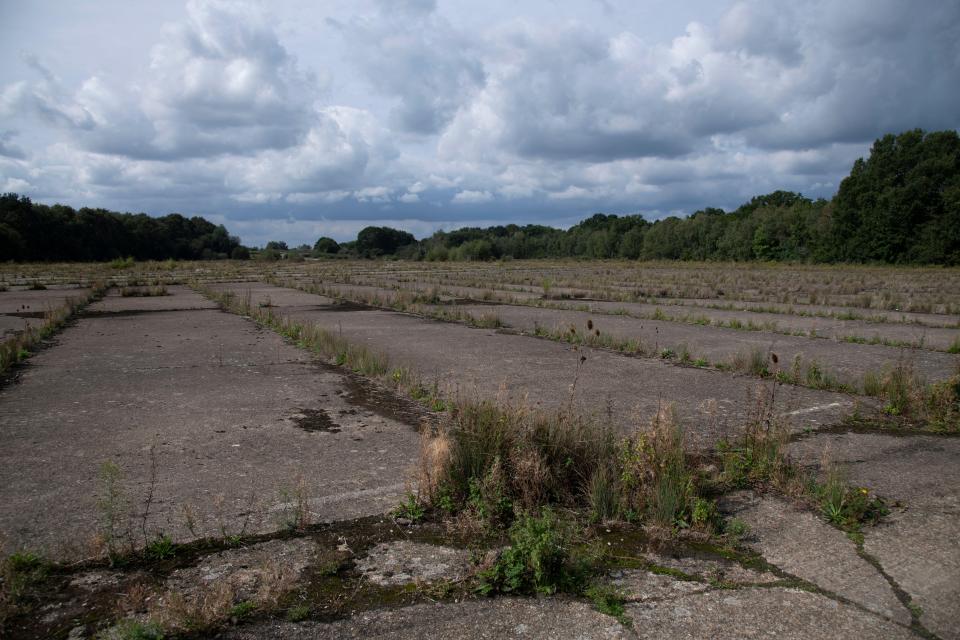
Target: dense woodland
[[36, 232], [900, 205]]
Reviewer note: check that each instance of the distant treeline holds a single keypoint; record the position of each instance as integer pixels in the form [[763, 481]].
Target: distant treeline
[[38, 232], [901, 205]]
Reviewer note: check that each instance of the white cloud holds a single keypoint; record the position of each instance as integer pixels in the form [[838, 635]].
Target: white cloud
[[472, 197]]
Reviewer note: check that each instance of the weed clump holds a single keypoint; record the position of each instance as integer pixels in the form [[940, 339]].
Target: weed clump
[[19, 572], [491, 463], [143, 292], [847, 507], [537, 561]]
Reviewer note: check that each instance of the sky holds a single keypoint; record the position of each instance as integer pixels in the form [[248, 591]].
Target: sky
[[296, 119]]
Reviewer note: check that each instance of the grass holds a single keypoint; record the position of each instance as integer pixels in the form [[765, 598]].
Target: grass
[[161, 548], [954, 346], [915, 403], [358, 358], [609, 600], [410, 509], [132, 630], [19, 573]]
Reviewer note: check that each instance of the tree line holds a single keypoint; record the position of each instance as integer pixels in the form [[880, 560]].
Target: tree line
[[900, 205], [30, 231]]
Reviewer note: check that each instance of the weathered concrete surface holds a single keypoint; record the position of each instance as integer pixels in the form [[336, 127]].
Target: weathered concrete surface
[[720, 345], [14, 301], [402, 562], [803, 545], [22, 309], [179, 298], [478, 619], [640, 585], [251, 573], [758, 613], [232, 413], [934, 331], [602, 289], [464, 360], [909, 317], [917, 544]]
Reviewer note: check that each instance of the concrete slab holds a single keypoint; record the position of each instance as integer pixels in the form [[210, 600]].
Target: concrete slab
[[233, 415], [803, 545], [403, 562], [932, 337], [917, 544], [476, 619], [758, 613], [178, 298], [908, 317], [25, 301], [478, 362]]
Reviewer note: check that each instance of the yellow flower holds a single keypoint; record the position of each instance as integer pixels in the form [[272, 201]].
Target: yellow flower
[[864, 490]]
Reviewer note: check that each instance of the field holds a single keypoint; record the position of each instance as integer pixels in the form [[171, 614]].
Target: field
[[267, 449]]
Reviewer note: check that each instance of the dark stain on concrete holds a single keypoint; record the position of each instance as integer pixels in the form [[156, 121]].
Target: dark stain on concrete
[[315, 420]]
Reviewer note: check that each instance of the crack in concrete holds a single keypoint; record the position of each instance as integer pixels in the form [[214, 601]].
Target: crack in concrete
[[905, 599]]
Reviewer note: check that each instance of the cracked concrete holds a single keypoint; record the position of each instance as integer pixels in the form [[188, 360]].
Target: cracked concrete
[[404, 562], [803, 545], [917, 544], [758, 613], [477, 619]]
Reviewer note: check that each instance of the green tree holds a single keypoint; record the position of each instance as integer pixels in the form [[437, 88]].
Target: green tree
[[326, 245]]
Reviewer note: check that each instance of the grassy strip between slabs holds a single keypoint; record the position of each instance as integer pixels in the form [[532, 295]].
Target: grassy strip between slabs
[[912, 401], [19, 347]]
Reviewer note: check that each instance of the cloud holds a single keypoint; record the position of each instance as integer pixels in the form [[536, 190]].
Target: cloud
[[218, 83], [472, 197], [416, 112], [223, 82], [410, 54], [9, 148]]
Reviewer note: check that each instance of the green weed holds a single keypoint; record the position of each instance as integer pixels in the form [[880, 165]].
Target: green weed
[[537, 560], [161, 548], [609, 600], [410, 508]]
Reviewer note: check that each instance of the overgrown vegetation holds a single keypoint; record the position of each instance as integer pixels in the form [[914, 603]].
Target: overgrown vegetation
[[492, 463], [19, 572], [143, 292]]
